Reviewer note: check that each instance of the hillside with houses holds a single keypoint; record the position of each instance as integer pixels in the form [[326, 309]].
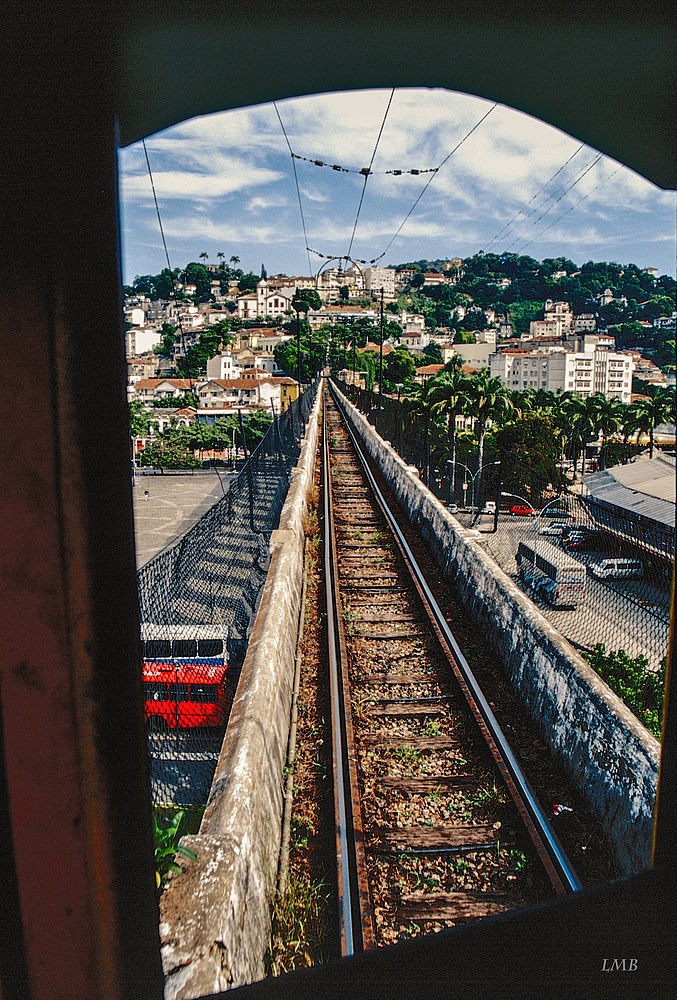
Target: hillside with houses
[[210, 343]]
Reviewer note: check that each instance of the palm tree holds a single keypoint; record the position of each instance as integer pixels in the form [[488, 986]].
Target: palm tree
[[606, 417], [221, 257], [653, 410], [234, 260], [627, 424], [578, 424], [204, 256], [489, 401], [449, 394]]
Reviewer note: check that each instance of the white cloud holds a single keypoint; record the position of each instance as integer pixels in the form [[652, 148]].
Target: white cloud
[[494, 175]]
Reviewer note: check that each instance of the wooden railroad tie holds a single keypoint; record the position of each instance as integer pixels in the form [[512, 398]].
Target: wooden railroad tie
[[442, 784], [392, 634], [392, 678], [400, 710], [467, 905], [435, 839], [422, 743]]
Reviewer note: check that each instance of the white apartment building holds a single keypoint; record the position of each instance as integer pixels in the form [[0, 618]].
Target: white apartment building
[[225, 394], [333, 279], [582, 372], [475, 356], [223, 366], [141, 340], [377, 278], [557, 322]]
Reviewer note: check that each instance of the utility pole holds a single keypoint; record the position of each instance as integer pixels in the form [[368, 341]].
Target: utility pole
[[380, 360]]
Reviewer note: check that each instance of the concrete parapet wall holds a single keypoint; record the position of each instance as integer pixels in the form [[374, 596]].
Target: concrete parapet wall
[[216, 917], [610, 756]]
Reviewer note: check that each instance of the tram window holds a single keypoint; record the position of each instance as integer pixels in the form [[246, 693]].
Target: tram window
[[156, 692], [157, 649], [184, 647], [178, 692], [210, 647], [204, 693]]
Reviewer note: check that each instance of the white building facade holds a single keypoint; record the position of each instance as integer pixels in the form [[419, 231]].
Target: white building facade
[[582, 372]]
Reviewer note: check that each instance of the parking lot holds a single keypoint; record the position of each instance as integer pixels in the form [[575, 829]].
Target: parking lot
[[629, 614]]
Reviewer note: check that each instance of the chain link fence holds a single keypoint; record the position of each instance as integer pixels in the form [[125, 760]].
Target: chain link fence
[[198, 598], [599, 574]]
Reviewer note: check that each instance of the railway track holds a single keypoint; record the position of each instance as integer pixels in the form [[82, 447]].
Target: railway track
[[435, 823]]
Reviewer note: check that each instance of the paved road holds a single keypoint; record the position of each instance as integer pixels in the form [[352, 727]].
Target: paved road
[[173, 505]]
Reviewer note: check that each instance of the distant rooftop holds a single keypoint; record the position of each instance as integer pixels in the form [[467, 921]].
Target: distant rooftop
[[645, 487]]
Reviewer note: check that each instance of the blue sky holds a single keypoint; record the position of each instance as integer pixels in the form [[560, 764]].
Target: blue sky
[[225, 183]]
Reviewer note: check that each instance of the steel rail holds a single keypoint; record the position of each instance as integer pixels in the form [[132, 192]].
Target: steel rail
[[356, 930], [548, 846]]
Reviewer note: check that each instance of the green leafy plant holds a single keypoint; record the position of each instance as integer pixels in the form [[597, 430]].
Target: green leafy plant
[[641, 689], [167, 834], [408, 755]]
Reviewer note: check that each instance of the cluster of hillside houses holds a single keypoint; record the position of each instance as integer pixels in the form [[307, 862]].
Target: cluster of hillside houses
[[561, 351]]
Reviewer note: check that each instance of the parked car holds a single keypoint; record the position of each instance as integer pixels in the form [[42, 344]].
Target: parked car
[[620, 568], [489, 507], [555, 512], [578, 538], [521, 510], [553, 528], [452, 508]]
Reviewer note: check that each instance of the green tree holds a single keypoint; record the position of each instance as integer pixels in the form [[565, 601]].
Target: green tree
[[449, 394], [169, 402], [165, 349], [522, 313], [310, 297], [606, 415], [248, 282], [140, 420], [399, 367], [654, 410], [640, 688], [529, 448], [489, 401]]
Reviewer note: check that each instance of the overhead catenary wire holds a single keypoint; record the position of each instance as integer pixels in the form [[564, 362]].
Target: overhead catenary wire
[[296, 182], [434, 173], [191, 380], [557, 200], [367, 172], [570, 209], [540, 190], [432, 178], [364, 170]]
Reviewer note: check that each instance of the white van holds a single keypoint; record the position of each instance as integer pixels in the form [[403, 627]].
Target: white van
[[617, 569]]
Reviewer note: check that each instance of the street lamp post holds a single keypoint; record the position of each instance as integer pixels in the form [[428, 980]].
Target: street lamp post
[[473, 477], [518, 497]]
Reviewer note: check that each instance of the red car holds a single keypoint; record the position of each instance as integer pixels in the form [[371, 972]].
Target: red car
[[520, 510]]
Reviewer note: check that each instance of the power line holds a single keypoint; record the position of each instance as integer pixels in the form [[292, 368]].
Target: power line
[[572, 207], [296, 181], [563, 194], [411, 210], [367, 171], [429, 182], [178, 314], [549, 181]]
